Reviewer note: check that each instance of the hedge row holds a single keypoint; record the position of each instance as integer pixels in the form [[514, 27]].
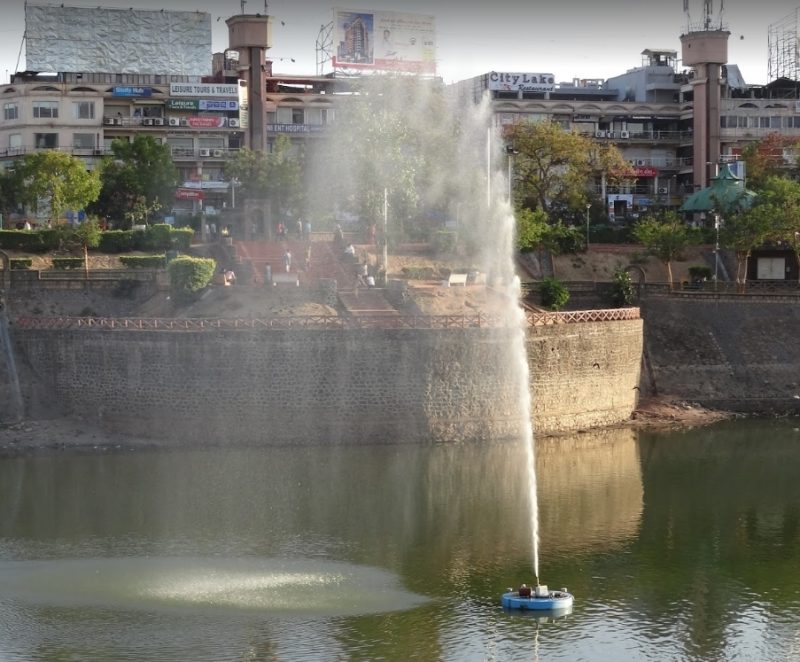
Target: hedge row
[[68, 263], [21, 262], [144, 261], [155, 238], [159, 237]]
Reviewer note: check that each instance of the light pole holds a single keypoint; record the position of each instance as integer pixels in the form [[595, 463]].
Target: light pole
[[716, 252], [510, 151], [588, 207]]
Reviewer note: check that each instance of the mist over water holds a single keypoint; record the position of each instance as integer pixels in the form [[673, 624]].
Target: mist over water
[[439, 163]]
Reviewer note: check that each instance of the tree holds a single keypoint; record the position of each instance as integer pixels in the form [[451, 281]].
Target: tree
[[531, 228], [58, 180], [664, 237], [623, 291], [276, 175], [10, 191], [88, 233], [553, 167], [139, 179], [783, 197], [773, 155], [745, 230]]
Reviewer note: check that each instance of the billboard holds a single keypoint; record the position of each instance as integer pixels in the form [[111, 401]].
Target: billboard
[[106, 40], [515, 82], [384, 41]]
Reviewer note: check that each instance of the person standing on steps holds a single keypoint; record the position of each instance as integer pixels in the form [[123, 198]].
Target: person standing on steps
[[287, 260]]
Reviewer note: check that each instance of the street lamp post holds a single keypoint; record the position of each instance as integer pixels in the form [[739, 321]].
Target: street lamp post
[[588, 207], [716, 251], [510, 151]]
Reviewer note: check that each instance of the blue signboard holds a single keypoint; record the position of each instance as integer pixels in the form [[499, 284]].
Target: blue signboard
[[218, 104], [128, 91]]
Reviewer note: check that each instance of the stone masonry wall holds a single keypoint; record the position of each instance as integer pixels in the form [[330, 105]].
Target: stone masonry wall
[[352, 386], [584, 375]]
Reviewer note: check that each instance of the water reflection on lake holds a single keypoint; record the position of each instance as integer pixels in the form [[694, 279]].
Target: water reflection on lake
[[679, 546]]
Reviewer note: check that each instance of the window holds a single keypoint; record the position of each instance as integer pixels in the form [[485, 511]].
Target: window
[[45, 140], [83, 141], [45, 109], [298, 116], [10, 111], [15, 143], [83, 110]]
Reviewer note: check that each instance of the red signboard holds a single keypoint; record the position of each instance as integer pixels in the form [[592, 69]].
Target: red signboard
[[188, 194], [646, 171], [203, 122]]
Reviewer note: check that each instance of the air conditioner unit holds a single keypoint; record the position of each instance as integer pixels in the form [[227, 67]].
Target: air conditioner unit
[[217, 153], [205, 152], [610, 134], [624, 134], [599, 134], [108, 120], [662, 189], [184, 121], [641, 162], [158, 121], [118, 121], [147, 121], [233, 122], [174, 121]]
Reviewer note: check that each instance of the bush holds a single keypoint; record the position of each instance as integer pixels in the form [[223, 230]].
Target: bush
[[181, 238], [700, 273], [554, 294], [39, 241], [21, 263], [444, 241], [144, 261], [189, 275], [158, 237], [623, 291], [419, 273], [117, 241], [68, 263]]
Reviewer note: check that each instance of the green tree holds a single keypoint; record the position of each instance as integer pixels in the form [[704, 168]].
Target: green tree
[[532, 228], [746, 230], [782, 195], [10, 192], [554, 294], [88, 234], [275, 175], [554, 167], [664, 237], [139, 179], [58, 180], [774, 155]]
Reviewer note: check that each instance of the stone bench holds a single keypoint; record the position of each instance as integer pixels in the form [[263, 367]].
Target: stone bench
[[457, 279]]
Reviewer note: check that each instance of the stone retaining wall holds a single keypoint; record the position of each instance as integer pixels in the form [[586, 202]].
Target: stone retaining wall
[[351, 386]]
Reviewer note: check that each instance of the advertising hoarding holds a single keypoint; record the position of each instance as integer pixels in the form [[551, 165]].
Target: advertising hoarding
[[501, 81], [384, 41], [203, 90], [113, 40]]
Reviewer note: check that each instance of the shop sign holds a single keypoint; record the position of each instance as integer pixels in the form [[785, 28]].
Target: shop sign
[[206, 122], [218, 104], [646, 171], [183, 104], [128, 91], [188, 194], [203, 90]]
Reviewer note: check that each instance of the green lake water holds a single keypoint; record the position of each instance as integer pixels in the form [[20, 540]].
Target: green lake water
[[678, 546]]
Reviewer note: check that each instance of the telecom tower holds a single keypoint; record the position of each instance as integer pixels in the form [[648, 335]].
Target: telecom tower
[[784, 57], [705, 49]]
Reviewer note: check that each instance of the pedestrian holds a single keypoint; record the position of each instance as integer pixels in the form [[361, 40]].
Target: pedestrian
[[338, 235], [307, 230], [299, 228], [213, 228], [287, 260], [281, 231], [307, 259]]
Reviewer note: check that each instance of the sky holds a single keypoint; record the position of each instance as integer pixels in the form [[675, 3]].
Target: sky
[[568, 38]]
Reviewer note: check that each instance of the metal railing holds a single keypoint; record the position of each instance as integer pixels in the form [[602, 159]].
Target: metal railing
[[320, 322]]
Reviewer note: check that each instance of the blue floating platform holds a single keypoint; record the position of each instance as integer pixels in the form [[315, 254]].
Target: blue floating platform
[[539, 598]]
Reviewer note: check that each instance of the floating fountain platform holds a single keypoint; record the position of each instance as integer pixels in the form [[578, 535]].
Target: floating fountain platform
[[539, 597]]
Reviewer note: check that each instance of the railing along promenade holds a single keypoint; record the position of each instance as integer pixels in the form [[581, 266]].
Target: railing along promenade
[[320, 322]]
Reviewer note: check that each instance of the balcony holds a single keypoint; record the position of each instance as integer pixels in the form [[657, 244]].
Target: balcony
[[204, 153], [649, 136]]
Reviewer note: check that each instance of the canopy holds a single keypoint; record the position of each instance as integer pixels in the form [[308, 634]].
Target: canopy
[[726, 193]]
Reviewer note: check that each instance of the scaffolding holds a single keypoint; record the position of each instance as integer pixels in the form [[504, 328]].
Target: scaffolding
[[784, 58]]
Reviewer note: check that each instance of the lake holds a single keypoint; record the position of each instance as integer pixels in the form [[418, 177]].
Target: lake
[[677, 546]]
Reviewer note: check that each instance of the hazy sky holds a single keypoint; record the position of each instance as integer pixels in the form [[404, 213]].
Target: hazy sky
[[569, 38]]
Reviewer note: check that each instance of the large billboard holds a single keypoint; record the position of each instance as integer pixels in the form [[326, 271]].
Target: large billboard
[[106, 40], [501, 81], [384, 41]]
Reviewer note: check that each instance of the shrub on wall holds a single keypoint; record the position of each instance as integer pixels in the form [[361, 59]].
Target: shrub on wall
[[68, 263], [159, 237], [38, 241], [189, 275], [143, 261], [181, 238], [21, 263], [623, 290], [554, 294]]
